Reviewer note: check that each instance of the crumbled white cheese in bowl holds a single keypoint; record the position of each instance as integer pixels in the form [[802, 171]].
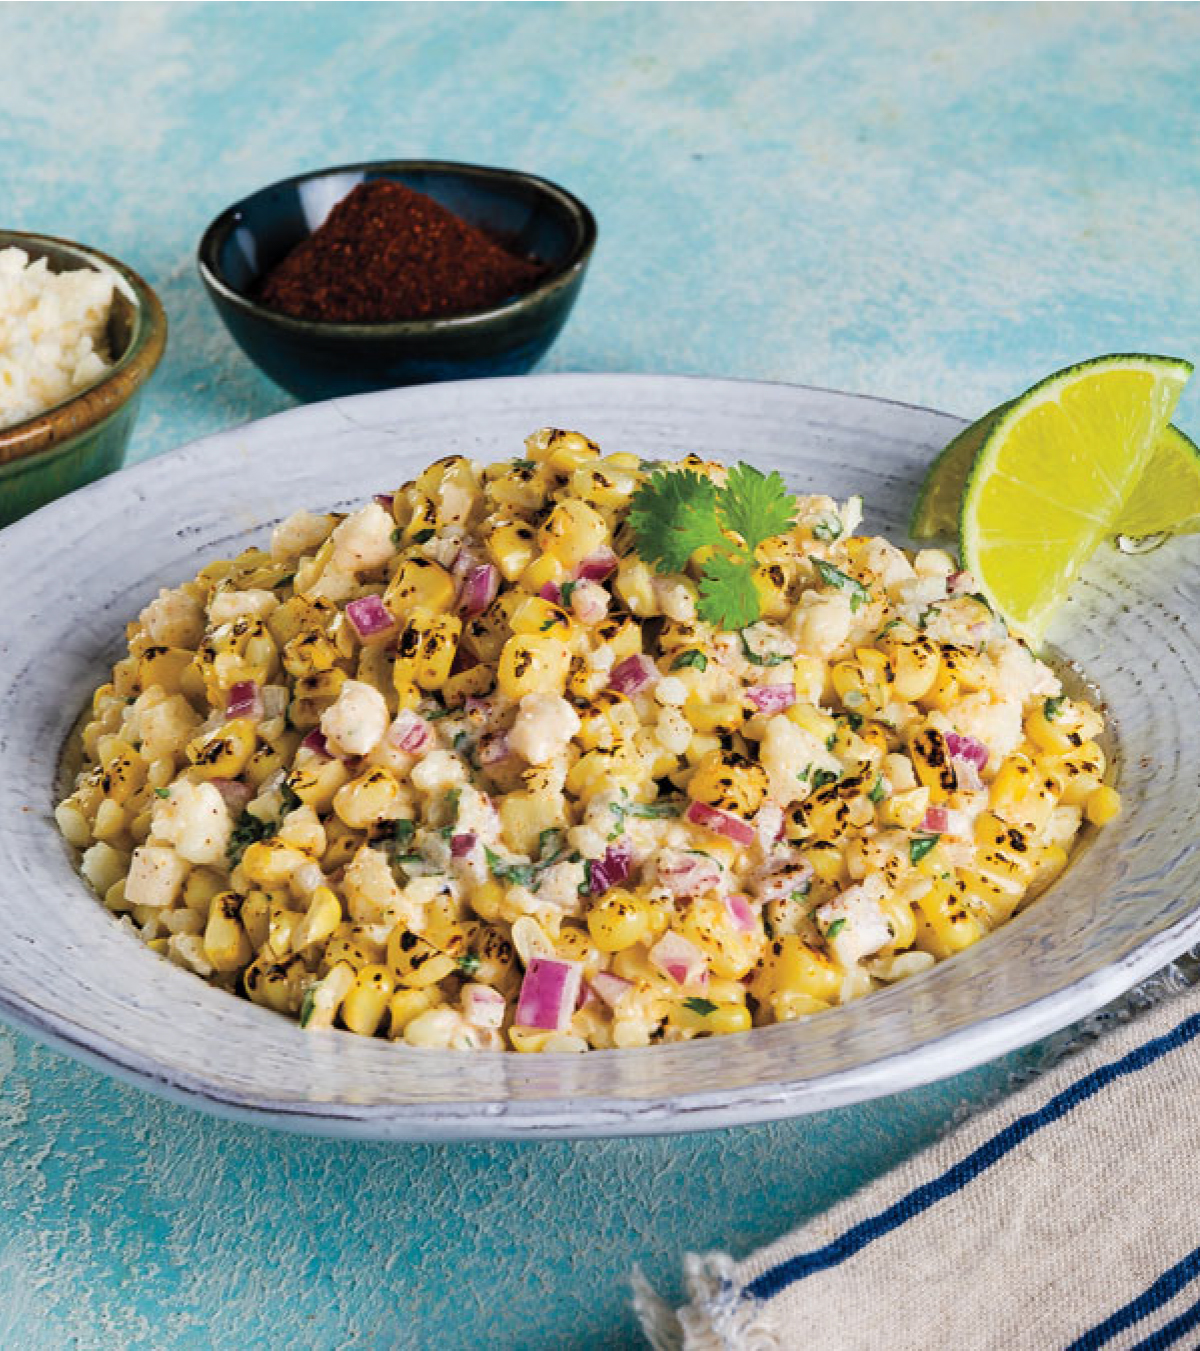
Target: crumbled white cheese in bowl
[[53, 333]]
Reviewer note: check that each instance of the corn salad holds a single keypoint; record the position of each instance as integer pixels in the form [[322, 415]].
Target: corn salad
[[460, 768]]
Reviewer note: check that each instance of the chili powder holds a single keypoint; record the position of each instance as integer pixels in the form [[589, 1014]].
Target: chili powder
[[389, 253]]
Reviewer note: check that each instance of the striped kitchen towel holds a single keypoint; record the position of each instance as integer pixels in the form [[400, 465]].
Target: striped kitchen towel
[[1066, 1216]]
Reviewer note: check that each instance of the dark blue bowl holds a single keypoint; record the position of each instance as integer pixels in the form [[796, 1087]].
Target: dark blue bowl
[[316, 359]]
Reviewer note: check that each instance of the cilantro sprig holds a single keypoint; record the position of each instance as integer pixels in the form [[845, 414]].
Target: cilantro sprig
[[676, 512]]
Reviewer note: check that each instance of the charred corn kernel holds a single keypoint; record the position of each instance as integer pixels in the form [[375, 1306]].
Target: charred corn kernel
[[425, 650], [808, 677], [818, 724], [73, 824], [827, 860], [420, 584], [314, 694], [342, 842], [730, 781], [476, 682], [415, 962], [944, 693], [110, 821], [635, 586], [1024, 795], [545, 570], [618, 920], [308, 654], [224, 752], [512, 548], [524, 816], [606, 484], [367, 1000], [276, 985], [571, 451], [905, 810], [225, 942], [732, 946], [994, 899], [1003, 850], [946, 924], [255, 917], [317, 781], [901, 921], [319, 922], [405, 1005], [622, 766], [495, 958], [1103, 805], [572, 532], [163, 667], [771, 584], [533, 664], [532, 614], [914, 667], [793, 967], [1051, 860], [622, 637], [722, 717], [787, 1008], [282, 922], [1081, 771], [1054, 726], [124, 770], [720, 1019], [297, 615], [369, 798], [487, 899], [351, 946], [931, 759], [606, 720], [270, 863]]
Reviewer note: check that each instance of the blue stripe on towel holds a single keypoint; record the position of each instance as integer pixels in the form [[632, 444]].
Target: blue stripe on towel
[[1168, 1285], [771, 1282]]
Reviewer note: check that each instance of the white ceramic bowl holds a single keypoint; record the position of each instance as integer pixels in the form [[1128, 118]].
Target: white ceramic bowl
[[75, 572]]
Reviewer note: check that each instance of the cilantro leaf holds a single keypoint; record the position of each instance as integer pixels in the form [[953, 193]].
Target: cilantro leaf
[[728, 596], [248, 830], [468, 963], [693, 658], [920, 845], [307, 1005], [831, 576], [836, 928], [701, 1006], [822, 777], [756, 658], [162, 792], [828, 528], [878, 792], [754, 505], [1053, 707], [673, 514]]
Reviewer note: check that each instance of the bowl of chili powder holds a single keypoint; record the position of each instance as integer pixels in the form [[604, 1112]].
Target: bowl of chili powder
[[397, 272]]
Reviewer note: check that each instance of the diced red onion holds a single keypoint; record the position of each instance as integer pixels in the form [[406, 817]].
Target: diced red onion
[[612, 869], [384, 500], [480, 586], [687, 874], [235, 795], [370, 617], [410, 733], [771, 698], [946, 821], [967, 748], [596, 567], [724, 823], [960, 584], [475, 707], [612, 989], [462, 845], [548, 994], [551, 593], [741, 912], [463, 561], [482, 1006], [778, 886], [935, 820], [679, 959], [589, 602], [245, 700], [633, 675], [493, 749], [315, 742]]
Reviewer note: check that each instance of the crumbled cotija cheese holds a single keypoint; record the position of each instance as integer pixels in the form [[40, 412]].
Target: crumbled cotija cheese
[[52, 334]]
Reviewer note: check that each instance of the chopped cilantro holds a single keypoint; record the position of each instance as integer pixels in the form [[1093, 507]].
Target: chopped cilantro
[[822, 777], [655, 811], [162, 792], [397, 536], [248, 830], [836, 927], [801, 893], [437, 714], [828, 527], [854, 719], [701, 1006], [831, 576], [525, 464], [307, 1005], [889, 626], [290, 799], [1053, 707], [566, 591], [283, 581], [468, 963], [423, 536], [693, 658], [761, 658], [451, 801], [877, 792], [923, 617], [402, 835], [920, 845], [803, 774]]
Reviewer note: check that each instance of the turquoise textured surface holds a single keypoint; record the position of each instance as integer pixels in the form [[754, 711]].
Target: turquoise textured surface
[[936, 204]]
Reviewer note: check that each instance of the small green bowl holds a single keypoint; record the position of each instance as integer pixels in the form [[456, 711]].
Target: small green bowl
[[84, 437]]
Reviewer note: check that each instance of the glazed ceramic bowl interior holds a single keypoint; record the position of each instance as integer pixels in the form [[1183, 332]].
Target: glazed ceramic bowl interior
[[85, 435], [317, 358], [71, 974]]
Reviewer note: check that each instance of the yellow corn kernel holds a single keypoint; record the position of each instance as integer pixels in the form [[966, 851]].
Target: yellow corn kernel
[[827, 861], [945, 922], [994, 899], [914, 666], [487, 899], [1055, 731], [528, 1041], [1103, 805], [317, 781], [255, 917], [723, 1018], [308, 654], [543, 571], [1023, 795], [905, 810], [732, 951], [415, 962], [277, 985], [270, 863], [420, 584], [729, 781], [1051, 861], [225, 942], [771, 583], [1004, 851], [367, 799], [620, 766], [720, 717], [607, 720], [635, 586], [618, 920], [320, 921], [786, 1008], [163, 667], [1081, 771], [570, 451], [573, 532], [535, 615], [793, 967], [606, 484], [524, 816], [350, 945], [533, 664], [300, 614], [425, 650], [367, 1000], [513, 547], [901, 921], [224, 752], [313, 695], [124, 770], [405, 1005], [110, 822], [820, 725], [282, 922], [116, 900], [475, 682], [931, 759]]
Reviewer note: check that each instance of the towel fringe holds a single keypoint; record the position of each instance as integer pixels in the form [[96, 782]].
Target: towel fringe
[[717, 1317]]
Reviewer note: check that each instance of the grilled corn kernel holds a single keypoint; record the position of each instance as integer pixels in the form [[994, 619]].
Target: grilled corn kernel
[[722, 717], [415, 962], [905, 810], [533, 664], [732, 941], [1081, 771], [573, 531], [224, 752], [618, 920], [270, 863], [635, 586], [225, 942], [793, 967], [276, 985], [420, 584], [914, 666], [1103, 805], [818, 724], [945, 922], [317, 781], [367, 1000], [320, 921], [369, 798], [535, 615], [1023, 795], [513, 547], [405, 1005], [425, 650], [931, 759], [730, 781]]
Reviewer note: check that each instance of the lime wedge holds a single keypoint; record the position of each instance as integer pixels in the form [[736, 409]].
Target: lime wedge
[[1054, 473], [1165, 501]]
